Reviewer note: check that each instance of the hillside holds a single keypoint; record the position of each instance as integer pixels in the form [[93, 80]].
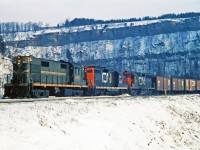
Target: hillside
[[5, 72], [168, 47], [170, 122]]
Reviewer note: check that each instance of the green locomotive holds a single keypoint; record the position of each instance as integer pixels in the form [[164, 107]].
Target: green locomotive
[[36, 77]]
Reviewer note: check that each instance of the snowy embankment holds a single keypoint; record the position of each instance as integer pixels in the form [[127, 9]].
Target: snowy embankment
[[5, 69], [120, 123]]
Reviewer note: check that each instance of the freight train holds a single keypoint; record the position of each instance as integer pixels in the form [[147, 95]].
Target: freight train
[[35, 77]]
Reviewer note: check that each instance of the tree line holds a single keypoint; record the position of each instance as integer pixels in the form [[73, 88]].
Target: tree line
[[85, 21], [12, 27]]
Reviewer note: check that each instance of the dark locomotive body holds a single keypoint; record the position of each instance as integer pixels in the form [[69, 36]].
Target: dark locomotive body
[[102, 81], [105, 77], [138, 83], [35, 77]]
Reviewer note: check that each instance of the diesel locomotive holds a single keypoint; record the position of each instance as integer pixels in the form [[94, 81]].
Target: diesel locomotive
[[36, 77]]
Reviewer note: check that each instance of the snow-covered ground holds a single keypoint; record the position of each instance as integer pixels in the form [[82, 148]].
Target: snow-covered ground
[[119, 123], [5, 69]]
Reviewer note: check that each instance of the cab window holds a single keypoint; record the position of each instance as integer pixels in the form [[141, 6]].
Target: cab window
[[44, 64]]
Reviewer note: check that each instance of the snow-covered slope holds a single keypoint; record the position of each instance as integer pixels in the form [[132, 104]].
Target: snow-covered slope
[[170, 122], [5, 72], [28, 35]]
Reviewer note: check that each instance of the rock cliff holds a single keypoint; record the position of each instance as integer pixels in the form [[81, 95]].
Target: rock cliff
[[168, 47]]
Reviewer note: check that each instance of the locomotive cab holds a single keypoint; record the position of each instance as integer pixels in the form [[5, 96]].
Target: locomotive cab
[[19, 86], [21, 69], [128, 77]]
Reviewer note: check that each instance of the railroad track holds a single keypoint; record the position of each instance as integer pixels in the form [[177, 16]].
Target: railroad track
[[9, 101]]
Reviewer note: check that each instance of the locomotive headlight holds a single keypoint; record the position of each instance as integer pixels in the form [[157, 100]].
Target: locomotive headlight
[[19, 62], [28, 59]]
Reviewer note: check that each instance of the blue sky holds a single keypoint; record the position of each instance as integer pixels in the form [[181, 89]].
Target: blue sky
[[56, 11]]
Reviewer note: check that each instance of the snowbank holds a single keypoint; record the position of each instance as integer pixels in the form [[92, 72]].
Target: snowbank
[[5, 72], [122, 123]]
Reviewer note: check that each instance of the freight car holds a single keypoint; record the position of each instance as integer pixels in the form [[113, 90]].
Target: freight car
[[143, 84], [35, 77]]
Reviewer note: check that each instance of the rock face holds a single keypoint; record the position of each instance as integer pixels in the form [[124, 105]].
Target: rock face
[[169, 47]]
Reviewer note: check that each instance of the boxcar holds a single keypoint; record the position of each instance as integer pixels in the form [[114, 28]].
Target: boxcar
[[167, 84], [187, 87], [190, 85], [158, 84], [174, 85], [180, 85], [198, 85]]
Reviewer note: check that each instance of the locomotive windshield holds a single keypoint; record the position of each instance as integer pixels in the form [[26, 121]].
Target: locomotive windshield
[[128, 74]]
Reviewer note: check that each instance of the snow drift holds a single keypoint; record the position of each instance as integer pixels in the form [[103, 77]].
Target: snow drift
[[170, 122]]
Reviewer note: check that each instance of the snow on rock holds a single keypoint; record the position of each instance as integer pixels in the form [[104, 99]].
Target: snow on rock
[[170, 122], [5, 69], [169, 54], [167, 47], [30, 34]]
